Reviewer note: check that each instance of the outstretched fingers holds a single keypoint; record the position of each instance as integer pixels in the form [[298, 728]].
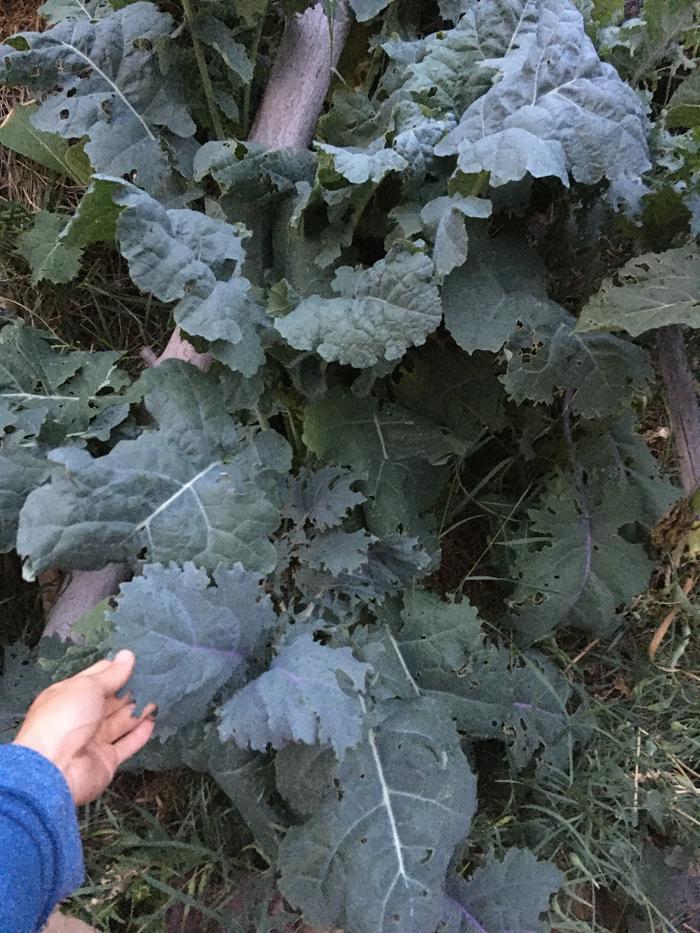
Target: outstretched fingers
[[124, 720], [133, 741]]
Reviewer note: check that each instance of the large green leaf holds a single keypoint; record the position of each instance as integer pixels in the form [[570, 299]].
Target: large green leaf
[[651, 291], [381, 312], [684, 106], [172, 494], [22, 679], [395, 448], [461, 393], [546, 355], [22, 469], [190, 637], [184, 254], [122, 101], [308, 695], [499, 285], [556, 110], [375, 858], [56, 11]]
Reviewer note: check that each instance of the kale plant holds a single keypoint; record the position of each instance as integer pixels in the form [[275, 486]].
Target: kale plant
[[374, 324]]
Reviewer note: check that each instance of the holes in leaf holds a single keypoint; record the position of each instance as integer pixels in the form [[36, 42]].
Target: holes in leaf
[[64, 114], [143, 44], [73, 91], [426, 858], [396, 918], [364, 840]]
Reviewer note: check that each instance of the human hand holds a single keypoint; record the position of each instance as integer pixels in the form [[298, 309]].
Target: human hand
[[81, 726]]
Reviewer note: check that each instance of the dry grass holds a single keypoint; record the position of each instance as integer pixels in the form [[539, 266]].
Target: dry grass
[[19, 16]]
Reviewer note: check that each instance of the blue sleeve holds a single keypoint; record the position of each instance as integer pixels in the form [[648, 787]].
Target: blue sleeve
[[41, 858]]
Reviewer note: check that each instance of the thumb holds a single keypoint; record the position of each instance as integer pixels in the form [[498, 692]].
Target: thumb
[[116, 673]]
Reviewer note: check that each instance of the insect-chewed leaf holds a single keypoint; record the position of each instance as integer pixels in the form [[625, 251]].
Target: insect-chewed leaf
[[557, 109], [548, 355], [309, 695], [56, 11], [48, 255], [124, 99], [439, 651], [615, 456], [48, 398], [381, 312], [18, 133], [650, 291], [506, 895], [22, 679], [190, 637], [71, 394], [374, 858]]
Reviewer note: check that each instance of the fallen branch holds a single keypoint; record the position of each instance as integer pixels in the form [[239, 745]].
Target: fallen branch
[[286, 119]]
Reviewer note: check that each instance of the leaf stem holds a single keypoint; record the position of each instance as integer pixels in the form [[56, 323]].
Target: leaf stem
[[188, 10], [245, 123]]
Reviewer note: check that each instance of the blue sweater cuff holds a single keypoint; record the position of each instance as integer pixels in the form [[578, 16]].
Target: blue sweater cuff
[[34, 792]]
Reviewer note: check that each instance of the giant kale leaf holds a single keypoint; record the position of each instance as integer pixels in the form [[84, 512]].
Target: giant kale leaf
[[375, 857], [460, 393], [102, 81], [650, 291], [170, 494], [190, 637], [308, 695], [381, 311], [556, 110]]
